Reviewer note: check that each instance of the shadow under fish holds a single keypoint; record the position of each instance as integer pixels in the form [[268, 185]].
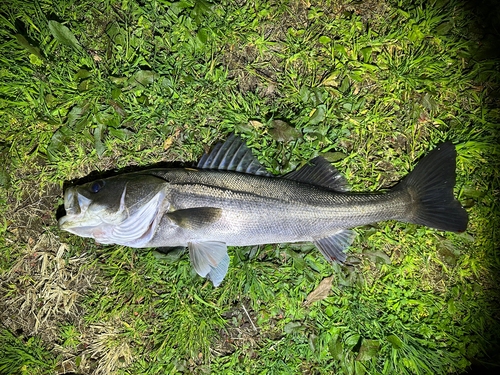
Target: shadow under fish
[[230, 199]]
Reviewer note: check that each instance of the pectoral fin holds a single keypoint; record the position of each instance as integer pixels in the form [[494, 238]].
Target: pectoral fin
[[209, 259], [333, 247], [195, 218]]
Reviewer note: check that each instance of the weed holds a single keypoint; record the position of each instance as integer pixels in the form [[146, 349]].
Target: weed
[[88, 88]]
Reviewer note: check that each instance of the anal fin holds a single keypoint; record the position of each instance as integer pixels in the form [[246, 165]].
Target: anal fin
[[333, 247]]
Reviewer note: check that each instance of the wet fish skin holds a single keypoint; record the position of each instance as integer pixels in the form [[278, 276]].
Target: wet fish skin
[[259, 210], [216, 205]]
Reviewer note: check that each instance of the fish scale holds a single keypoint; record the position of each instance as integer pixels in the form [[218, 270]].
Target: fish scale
[[230, 200]]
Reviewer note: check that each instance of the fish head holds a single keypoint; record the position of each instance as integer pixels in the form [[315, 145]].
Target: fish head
[[120, 209]]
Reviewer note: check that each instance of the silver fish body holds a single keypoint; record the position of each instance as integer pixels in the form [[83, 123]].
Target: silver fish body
[[229, 200], [259, 210]]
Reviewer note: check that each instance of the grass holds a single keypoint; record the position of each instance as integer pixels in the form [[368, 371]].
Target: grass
[[92, 87]]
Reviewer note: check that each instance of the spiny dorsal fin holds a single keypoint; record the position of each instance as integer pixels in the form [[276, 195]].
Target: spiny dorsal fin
[[233, 155], [320, 172]]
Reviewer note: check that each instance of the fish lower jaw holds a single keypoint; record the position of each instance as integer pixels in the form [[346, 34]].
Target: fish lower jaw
[[65, 222]]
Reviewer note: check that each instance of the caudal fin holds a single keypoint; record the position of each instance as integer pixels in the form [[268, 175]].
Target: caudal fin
[[431, 185]]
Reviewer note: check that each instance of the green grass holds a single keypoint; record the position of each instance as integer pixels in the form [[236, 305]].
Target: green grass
[[92, 87]]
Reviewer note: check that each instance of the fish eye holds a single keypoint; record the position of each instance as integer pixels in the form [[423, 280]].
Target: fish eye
[[96, 186]]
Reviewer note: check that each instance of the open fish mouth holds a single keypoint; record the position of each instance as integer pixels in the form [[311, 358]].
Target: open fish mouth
[[75, 206], [119, 225]]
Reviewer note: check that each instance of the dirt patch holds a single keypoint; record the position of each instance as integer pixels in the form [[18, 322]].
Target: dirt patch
[[257, 62], [242, 331], [43, 280]]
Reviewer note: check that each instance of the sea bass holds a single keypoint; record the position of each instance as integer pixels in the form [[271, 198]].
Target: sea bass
[[230, 199]]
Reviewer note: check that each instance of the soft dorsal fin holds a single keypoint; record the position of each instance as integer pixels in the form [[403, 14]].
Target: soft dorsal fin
[[233, 155], [320, 172]]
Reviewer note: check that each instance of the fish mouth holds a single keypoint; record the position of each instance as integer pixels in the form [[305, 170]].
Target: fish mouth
[[120, 227], [75, 206]]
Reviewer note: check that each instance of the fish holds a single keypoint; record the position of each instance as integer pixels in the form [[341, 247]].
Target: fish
[[230, 199]]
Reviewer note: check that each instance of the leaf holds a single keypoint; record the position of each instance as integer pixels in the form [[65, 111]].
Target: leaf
[[118, 80], [395, 341], [28, 47], [336, 350], [332, 157], [143, 77], [4, 178], [178, 7], [359, 368], [35, 60], [318, 115], [201, 8], [472, 192], [75, 114], [345, 85], [298, 261], [81, 74], [324, 39], [113, 30], [121, 133], [82, 123], [243, 128], [115, 93], [282, 132], [352, 340], [367, 53], [313, 342], [85, 85], [256, 124], [341, 49], [63, 35], [60, 138], [98, 132], [429, 102], [331, 80], [443, 28], [320, 95], [118, 108], [448, 251], [305, 94], [49, 99], [321, 291], [379, 257], [293, 327], [368, 350], [202, 36], [451, 307]]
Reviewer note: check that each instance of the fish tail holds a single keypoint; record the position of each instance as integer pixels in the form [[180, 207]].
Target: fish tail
[[430, 186]]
